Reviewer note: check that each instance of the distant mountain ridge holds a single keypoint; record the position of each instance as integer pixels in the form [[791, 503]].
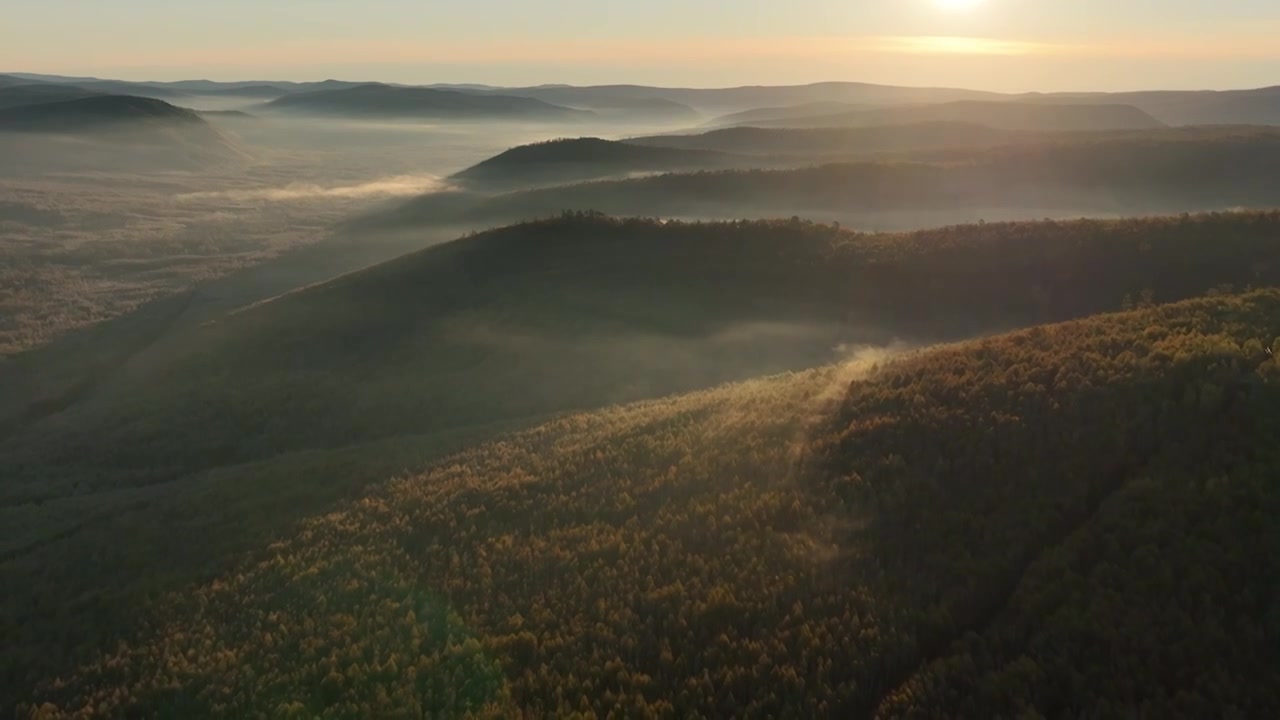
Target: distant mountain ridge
[[1000, 115], [380, 100], [757, 103]]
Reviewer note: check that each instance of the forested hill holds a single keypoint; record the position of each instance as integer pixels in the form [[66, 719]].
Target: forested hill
[[576, 159], [834, 142], [95, 113], [585, 311], [1072, 520], [1119, 174]]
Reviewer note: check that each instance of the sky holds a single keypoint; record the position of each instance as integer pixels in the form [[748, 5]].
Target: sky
[[1003, 45]]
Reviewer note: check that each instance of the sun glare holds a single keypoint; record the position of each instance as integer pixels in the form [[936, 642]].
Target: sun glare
[[958, 4]]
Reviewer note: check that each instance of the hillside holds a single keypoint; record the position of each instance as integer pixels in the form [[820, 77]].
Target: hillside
[[110, 132], [1013, 526], [378, 100], [93, 113], [598, 311], [1260, 106], [137, 89], [225, 434], [20, 94], [572, 160], [1117, 174], [248, 91], [607, 105], [835, 142], [1006, 115], [810, 109]]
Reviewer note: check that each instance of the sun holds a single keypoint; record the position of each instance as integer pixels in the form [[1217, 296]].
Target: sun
[[958, 4]]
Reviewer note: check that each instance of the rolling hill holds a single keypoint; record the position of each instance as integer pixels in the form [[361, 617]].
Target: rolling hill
[[1014, 525], [1260, 106], [36, 93], [9, 80], [111, 132], [94, 113], [1006, 115], [1116, 174], [629, 107], [226, 433], [386, 101], [421, 344], [837, 142], [247, 91], [812, 109], [571, 160]]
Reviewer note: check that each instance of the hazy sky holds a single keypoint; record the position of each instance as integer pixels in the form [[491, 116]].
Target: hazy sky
[[989, 44]]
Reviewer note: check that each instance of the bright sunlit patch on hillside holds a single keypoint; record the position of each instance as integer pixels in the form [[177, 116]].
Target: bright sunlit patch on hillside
[[958, 5]]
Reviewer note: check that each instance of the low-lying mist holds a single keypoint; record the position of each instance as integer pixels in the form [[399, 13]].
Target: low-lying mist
[[394, 186]]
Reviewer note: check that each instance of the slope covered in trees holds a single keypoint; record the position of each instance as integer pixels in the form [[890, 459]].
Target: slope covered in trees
[[1112, 173], [470, 333], [927, 540], [93, 113], [110, 132], [227, 433], [576, 159], [20, 94], [835, 142]]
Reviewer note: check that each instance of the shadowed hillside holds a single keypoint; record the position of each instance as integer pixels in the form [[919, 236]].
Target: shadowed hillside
[[1116, 174], [1009, 526], [570, 160], [226, 433], [585, 311], [111, 132], [34, 94], [386, 101], [92, 114], [834, 142]]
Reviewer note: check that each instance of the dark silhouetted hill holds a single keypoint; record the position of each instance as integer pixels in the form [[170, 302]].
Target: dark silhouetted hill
[[37, 93], [112, 132], [595, 310], [378, 100], [1112, 173], [569, 160], [836, 142]]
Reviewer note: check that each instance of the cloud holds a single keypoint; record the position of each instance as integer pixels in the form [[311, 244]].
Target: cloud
[[395, 186]]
